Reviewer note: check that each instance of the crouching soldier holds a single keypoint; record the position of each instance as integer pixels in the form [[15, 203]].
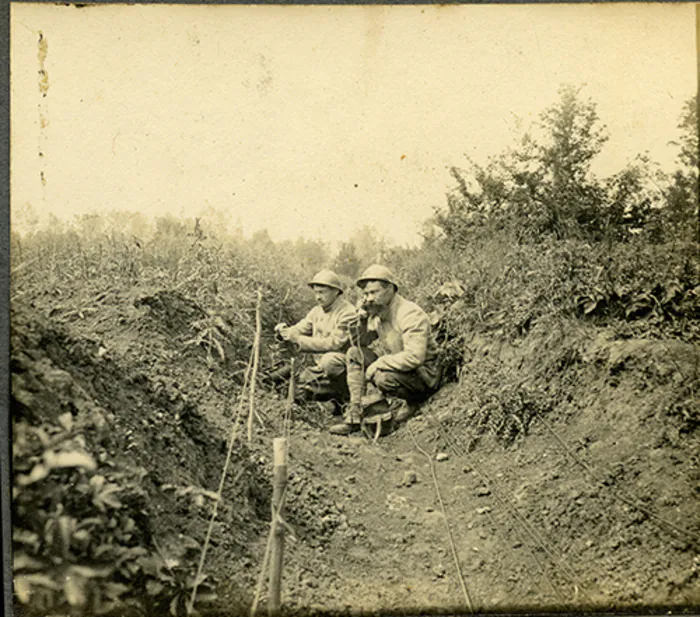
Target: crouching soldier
[[324, 333], [410, 370]]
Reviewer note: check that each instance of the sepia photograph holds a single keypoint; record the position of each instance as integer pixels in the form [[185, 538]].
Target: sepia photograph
[[354, 309]]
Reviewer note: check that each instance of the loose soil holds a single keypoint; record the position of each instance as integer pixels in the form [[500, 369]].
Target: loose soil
[[596, 507]]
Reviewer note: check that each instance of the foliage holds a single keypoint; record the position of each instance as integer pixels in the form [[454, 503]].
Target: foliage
[[544, 187], [346, 261], [363, 248], [534, 251], [219, 272], [529, 243], [507, 289], [688, 142], [211, 333], [682, 193], [80, 536], [496, 293], [533, 237]]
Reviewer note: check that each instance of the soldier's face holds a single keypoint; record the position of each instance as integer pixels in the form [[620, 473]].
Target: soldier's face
[[325, 296], [376, 296]]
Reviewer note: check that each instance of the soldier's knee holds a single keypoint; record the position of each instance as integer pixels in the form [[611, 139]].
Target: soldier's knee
[[354, 355], [333, 364], [386, 381], [306, 377]]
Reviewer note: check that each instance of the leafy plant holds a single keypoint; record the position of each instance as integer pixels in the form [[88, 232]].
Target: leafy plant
[[76, 542], [212, 333], [169, 584]]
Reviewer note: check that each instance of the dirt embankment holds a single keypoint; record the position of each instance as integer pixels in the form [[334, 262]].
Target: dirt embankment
[[595, 507], [148, 438]]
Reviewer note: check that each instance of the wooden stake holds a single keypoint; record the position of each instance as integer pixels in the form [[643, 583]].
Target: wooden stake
[[278, 488], [290, 399], [256, 359]]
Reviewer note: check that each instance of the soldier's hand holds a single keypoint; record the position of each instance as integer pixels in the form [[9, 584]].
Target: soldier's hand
[[282, 331], [291, 335], [358, 319], [371, 371]]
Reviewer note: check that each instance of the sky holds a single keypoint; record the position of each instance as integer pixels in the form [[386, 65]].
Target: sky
[[317, 120]]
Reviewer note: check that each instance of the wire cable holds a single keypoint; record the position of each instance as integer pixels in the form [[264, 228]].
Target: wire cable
[[465, 591], [232, 441]]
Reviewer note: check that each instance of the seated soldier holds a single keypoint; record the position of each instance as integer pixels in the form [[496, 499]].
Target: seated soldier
[[324, 333], [410, 371]]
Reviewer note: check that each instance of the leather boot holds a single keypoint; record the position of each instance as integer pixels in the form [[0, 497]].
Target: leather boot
[[352, 423], [344, 428], [407, 410]]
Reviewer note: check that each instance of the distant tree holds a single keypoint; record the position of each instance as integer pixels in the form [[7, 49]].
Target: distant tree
[[262, 241], [169, 226], [682, 194], [430, 232], [24, 219], [347, 262], [369, 245], [364, 247], [134, 223], [215, 222], [542, 186], [90, 225], [310, 254]]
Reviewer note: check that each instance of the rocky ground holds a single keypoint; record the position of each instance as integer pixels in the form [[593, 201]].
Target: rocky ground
[[532, 527], [596, 507]]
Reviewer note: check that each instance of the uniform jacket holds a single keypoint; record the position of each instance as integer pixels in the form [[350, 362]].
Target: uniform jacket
[[326, 330], [404, 330]]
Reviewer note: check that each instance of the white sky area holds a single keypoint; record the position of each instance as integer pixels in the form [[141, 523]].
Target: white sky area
[[317, 120]]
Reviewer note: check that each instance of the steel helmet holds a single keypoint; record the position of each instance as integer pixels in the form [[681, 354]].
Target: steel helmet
[[327, 278], [377, 273]]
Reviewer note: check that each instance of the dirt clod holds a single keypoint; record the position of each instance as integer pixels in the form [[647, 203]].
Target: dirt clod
[[409, 478]]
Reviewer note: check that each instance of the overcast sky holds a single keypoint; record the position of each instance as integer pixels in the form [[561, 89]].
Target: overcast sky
[[319, 120]]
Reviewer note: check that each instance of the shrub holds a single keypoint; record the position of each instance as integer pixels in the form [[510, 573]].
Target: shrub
[[81, 538]]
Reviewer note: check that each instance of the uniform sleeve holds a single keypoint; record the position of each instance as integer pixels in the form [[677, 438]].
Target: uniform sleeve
[[338, 340], [305, 326], [415, 333]]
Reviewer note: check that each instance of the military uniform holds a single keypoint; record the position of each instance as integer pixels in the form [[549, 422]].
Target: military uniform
[[326, 335], [410, 370]]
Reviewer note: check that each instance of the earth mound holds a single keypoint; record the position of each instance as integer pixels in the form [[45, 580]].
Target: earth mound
[[121, 431]]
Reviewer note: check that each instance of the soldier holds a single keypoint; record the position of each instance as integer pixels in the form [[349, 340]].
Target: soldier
[[323, 333], [410, 371]]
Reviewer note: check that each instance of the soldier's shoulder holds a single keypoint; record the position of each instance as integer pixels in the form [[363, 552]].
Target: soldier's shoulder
[[409, 310], [404, 305], [313, 312], [345, 307]]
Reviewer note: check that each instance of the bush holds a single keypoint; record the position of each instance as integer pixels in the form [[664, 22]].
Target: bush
[[81, 538], [502, 290], [544, 187]]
